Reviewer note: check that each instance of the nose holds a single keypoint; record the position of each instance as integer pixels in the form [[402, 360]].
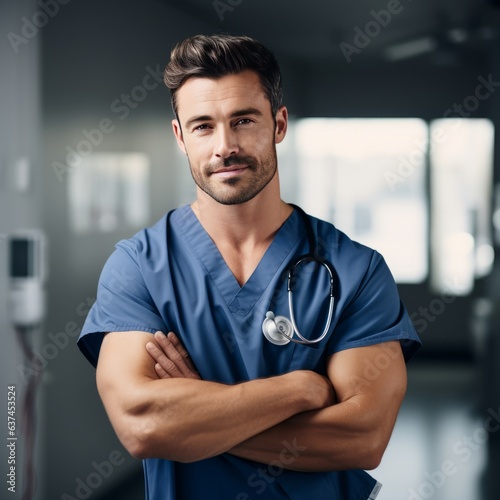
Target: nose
[[226, 143]]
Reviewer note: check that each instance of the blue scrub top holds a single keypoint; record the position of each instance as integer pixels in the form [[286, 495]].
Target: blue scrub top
[[172, 277]]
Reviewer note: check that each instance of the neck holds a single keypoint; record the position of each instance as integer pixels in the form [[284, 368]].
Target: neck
[[252, 223], [242, 233]]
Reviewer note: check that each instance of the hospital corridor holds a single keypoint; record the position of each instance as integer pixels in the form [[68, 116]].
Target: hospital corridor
[[306, 194]]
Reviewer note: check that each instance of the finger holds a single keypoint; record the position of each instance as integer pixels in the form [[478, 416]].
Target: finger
[[161, 372], [153, 351], [163, 360], [173, 354], [182, 351]]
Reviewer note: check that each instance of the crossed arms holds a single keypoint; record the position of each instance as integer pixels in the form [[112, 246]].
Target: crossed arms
[[160, 408]]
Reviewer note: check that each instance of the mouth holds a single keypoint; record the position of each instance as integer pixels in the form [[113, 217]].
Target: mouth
[[231, 171]]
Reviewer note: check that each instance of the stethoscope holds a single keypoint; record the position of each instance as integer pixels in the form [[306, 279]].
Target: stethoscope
[[280, 330]]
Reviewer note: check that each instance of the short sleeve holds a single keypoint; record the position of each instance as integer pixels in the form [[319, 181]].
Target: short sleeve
[[375, 314], [123, 302]]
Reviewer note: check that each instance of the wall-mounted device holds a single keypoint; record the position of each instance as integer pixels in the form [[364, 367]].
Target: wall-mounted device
[[27, 271]]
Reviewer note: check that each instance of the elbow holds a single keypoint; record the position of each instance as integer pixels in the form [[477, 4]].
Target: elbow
[[137, 436], [371, 459], [373, 450], [138, 433], [137, 448], [144, 439]]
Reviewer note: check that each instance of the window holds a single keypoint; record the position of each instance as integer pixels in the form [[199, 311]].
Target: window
[[369, 178], [461, 177]]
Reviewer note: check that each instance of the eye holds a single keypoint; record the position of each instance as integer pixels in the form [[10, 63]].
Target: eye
[[203, 126], [243, 121]]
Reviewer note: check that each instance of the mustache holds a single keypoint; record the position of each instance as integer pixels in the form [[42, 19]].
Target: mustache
[[229, 162]]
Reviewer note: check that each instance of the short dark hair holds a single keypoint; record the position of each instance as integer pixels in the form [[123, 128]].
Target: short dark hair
[[216, 56]]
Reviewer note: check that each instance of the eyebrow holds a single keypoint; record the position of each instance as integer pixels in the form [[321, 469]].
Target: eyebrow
[[235, 114]]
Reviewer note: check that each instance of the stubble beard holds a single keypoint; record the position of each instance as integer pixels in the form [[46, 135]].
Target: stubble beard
[[261, 174]]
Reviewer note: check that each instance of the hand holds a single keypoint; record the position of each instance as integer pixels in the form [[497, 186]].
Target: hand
[[171, 359], [318, 388]]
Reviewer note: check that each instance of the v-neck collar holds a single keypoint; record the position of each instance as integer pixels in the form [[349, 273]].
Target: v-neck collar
[[239, 299]]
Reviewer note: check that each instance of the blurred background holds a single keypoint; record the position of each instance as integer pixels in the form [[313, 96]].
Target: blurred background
[[393, 104]]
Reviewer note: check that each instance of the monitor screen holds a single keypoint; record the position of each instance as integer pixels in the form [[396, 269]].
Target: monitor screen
[[21, 258]]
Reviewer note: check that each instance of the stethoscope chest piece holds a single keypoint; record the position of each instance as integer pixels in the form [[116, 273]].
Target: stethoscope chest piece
[[277, 330]]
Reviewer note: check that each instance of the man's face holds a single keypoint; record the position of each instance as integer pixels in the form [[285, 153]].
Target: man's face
[[229, 135]]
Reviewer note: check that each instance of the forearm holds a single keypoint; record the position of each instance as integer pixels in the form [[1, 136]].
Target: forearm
[[187, 420], [339, 437], [350, 434]]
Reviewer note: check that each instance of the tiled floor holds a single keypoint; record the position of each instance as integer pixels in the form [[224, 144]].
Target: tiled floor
[[440, 446]]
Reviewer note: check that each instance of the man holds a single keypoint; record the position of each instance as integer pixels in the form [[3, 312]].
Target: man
[[214, 408]]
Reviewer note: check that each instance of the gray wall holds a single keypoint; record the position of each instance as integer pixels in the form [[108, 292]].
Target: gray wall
[[19, 138]]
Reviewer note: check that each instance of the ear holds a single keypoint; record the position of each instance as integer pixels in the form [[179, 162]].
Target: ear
[[178, 135], [281, 124]]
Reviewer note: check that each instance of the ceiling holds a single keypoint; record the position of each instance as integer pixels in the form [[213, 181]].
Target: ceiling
[[446, 31]]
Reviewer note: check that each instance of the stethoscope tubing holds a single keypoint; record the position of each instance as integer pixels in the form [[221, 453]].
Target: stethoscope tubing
[[303, 340], [312, 256]]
